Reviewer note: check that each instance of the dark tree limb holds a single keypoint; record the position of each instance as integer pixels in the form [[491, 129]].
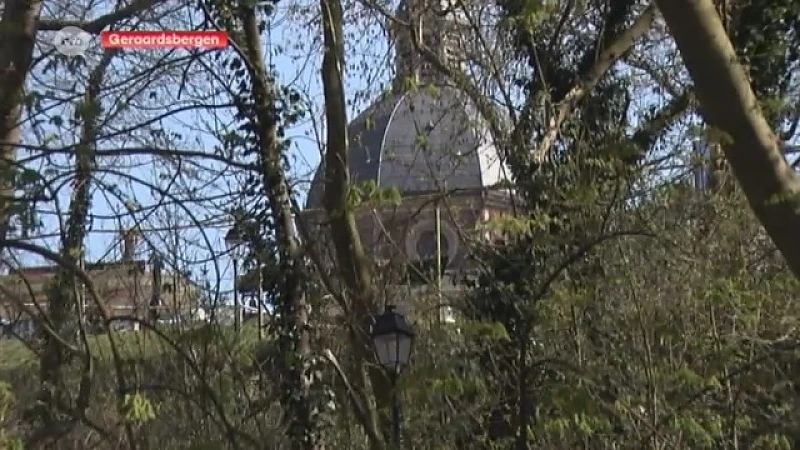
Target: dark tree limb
[[729, 104]]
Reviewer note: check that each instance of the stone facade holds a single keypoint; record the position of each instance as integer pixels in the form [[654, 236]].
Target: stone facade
[[125, 289], [428, 142]]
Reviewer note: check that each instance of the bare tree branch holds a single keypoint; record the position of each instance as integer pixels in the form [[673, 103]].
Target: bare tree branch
[[605, 60], [97, 25]]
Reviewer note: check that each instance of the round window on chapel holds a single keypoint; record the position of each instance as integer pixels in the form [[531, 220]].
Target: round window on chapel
[[426, 245]]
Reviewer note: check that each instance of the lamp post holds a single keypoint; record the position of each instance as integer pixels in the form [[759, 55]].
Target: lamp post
[[260, 303], [393, 339], [234, 241]]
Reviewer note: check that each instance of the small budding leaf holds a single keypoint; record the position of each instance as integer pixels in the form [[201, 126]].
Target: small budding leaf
[[137, 409]]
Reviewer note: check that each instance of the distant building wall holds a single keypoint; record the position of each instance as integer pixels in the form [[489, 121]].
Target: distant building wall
[[125, 289]]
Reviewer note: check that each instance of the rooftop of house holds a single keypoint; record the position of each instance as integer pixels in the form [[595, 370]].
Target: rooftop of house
[[121, 285]]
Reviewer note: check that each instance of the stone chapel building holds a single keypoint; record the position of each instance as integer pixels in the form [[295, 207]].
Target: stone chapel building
[[427, 140]]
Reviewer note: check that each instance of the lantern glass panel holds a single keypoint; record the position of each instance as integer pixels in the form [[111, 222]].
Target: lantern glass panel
[[386, 349], [393, 350]]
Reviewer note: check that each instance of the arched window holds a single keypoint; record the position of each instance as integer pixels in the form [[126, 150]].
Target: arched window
[[426, 245]]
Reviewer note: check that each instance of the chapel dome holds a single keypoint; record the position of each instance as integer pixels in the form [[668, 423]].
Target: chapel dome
[[424, 140]]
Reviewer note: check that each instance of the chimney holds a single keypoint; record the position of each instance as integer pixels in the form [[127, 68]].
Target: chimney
[[156, 300], [702, 165], [130, 239]]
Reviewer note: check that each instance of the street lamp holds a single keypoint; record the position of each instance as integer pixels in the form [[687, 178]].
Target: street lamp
[[393, 340], [234, 241]]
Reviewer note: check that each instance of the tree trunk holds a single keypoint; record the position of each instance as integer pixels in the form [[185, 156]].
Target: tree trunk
[[17, 35], [292, 306], [63, 296], [729, 104], [349, 251]]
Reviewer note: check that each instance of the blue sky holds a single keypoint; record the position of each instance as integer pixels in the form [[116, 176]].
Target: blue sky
[[295, 55], [293, 45]]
